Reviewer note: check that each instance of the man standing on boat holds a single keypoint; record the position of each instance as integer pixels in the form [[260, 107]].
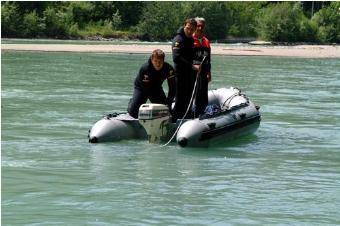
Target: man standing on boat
[[202, 49], [148, 83], [182, 53]]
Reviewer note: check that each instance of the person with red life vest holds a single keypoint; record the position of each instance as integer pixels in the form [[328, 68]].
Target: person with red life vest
[[201, 49]]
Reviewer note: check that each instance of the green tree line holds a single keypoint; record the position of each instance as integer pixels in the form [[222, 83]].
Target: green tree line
[[159, 21]]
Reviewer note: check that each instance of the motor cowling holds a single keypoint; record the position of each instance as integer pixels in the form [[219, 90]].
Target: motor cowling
[[155, 119]]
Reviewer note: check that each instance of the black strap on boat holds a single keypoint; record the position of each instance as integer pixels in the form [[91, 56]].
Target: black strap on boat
[[112, 115], [230, 127]]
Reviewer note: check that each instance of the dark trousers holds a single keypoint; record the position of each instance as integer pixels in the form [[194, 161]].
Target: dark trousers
[[141, 96], [201, 100], [184, 88]]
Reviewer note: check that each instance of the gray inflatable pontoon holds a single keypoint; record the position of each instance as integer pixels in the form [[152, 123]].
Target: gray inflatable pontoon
[[116, 127], [232, 114]]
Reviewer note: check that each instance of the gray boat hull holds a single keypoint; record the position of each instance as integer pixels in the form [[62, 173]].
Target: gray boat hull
[[113, 128], [238, 117], [219, 129]]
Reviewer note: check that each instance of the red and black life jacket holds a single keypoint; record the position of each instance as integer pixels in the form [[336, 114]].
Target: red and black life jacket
[[201, 48]]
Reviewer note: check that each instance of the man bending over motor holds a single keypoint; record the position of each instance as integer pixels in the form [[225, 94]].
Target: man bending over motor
[[148, 83]]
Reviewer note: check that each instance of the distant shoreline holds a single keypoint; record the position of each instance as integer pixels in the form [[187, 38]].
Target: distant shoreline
[[304, 51]]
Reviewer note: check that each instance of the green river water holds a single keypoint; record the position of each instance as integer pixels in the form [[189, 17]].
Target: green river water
[[288, 172]]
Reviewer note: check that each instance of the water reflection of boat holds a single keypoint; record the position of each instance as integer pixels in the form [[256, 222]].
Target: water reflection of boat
[[230, 114]]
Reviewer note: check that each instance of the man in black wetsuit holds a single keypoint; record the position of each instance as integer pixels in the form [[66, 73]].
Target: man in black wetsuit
[[148, 83], [182, 54]]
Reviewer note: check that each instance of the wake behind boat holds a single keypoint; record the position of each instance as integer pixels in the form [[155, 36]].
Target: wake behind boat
[[229, 114]]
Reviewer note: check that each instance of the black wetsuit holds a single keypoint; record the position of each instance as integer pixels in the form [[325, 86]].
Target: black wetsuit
[[148, 85], [182, 54]]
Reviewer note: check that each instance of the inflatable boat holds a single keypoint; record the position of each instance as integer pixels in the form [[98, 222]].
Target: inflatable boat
[[229, 114]]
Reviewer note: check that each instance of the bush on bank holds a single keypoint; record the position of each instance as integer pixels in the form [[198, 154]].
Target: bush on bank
[[328, 22], [271, 21]]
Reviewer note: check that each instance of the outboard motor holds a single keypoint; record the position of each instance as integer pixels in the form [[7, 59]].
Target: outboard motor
[[155, 118]]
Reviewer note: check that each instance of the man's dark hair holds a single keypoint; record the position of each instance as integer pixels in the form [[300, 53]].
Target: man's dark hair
[[158, 53], [190, 21]]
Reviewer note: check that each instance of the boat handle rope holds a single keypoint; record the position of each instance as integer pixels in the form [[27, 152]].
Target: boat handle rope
[[190, 102], [229, 99]]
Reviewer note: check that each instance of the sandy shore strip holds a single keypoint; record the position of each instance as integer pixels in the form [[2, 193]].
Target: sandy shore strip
[[306, 51]]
